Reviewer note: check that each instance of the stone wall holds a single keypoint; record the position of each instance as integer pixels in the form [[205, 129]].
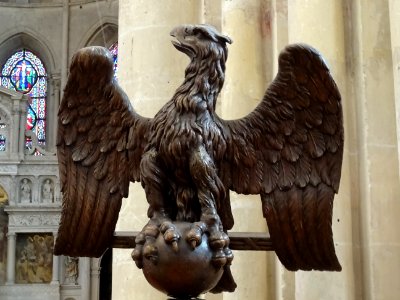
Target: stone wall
[[53, 30]]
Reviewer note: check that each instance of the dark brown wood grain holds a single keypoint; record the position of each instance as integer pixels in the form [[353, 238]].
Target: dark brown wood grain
[[288, 150], [249, 241]]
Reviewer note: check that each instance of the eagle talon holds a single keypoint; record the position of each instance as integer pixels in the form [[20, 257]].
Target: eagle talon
[[137, 256], [219, 259], [229, 255], [195, 233], [150, 252], [174, 245], [145, 248], [193, 244], [171, 235]]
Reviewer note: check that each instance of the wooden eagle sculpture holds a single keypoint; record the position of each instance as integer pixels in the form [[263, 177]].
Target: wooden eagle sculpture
[[289, 150]]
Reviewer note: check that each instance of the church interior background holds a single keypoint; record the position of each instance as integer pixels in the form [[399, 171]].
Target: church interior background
[[37, 39], [360, 40]]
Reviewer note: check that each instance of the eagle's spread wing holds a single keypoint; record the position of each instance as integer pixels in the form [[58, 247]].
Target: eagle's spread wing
[[100, 142], [289, 150]]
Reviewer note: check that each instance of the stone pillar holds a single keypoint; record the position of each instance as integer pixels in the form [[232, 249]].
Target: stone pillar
[[95, 278], [22, 125], [56, 266], [375, 33], [321, 24], [55, 276], [281, 283], [18, 120], [84, 277], [247, 71], [11, 241], [15, 129], [210, 12], [248, 55], [395, 42], [277, 17], [53, 105], [149, 70], [65, 44]]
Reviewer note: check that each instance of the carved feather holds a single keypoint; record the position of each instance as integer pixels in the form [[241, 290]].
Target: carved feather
[[296, 134], [97, 153]]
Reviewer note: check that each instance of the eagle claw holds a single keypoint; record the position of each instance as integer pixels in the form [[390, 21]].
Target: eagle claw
[[194, 235], [171, 235], [218, 242]]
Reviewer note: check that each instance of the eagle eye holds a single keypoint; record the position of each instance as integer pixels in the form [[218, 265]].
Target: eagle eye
[[198, 32]]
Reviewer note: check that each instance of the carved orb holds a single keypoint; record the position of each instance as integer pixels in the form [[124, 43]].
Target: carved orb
[[185, 272]]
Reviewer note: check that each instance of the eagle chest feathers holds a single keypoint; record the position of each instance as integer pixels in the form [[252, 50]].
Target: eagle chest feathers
[[180, 130]]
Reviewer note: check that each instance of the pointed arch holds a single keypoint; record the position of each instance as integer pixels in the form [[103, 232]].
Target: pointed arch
[[103, 33], [21, 38], [25, 73]]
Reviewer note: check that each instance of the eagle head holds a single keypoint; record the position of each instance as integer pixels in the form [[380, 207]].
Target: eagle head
[[197, 41]]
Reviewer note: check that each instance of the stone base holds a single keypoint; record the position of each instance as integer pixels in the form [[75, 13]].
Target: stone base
[[30, 292]]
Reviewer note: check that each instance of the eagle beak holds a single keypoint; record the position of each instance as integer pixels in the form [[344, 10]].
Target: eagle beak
[[180, 43], [173, 32]]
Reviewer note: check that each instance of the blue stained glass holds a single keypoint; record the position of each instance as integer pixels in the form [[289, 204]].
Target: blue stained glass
[[23, 76], [37, 62], [42, 87], [6, 83], [25, 73], [41, 125], [114, 51], [2, 143], [11, 63], [42, 108], [31, 118]]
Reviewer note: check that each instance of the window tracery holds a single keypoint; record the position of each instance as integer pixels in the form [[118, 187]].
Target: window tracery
[[24, 72]]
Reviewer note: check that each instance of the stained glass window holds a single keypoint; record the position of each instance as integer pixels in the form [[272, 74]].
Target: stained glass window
[[114, 51], [2, 143], [24, 72]]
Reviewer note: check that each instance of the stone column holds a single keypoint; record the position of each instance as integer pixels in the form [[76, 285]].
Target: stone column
[[247, 72], [375, 36], [95, 278], [53, 105], [65, 44], [56, 262], [321, 24], [11, 242], [84, 276], [149, 70], [394, 8], [282, 283], [18, 123], [56, 266], [14, 132], [22, 125]]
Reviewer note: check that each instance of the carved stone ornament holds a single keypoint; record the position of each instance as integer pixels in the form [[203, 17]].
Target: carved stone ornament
[[289, 150], [25, 188], [71, 270], [35, 146], [37, 220], [47, 191]]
